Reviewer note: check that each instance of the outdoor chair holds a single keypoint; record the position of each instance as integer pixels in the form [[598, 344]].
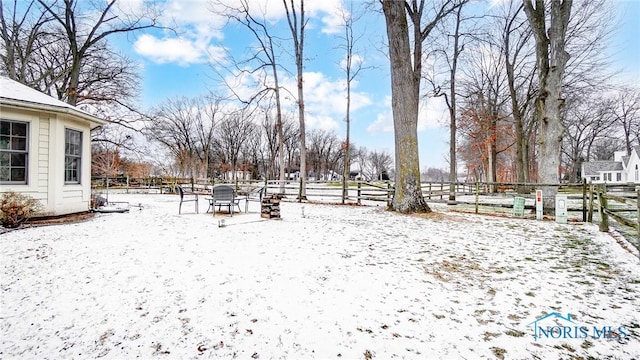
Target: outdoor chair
[[223, 195], [255, 195], [187, 196]]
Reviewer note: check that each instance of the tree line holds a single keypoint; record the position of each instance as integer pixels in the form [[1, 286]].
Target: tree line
[[527, 85]]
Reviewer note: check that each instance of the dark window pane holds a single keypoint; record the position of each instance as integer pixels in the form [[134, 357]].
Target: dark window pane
[[4, 142], [18, 160], [17, 174], [19, 129], [4, 159], [71, 169], [4, 173], [5, 128], [18, 143]]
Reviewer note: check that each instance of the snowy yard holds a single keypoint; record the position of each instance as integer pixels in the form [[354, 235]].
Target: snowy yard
[[325, 282]]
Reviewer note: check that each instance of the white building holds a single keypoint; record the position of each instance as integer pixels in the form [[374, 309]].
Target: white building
[[623, 168], [45, 148]]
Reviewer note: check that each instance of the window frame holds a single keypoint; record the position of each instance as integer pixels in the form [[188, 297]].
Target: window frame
[[76, 158], [12, 152]]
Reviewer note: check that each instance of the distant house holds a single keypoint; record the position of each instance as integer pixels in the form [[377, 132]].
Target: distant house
[[238, 175], [622, 169], [45, 148]]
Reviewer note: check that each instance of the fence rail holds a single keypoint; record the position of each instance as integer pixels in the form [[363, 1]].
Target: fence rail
[[619, 202]]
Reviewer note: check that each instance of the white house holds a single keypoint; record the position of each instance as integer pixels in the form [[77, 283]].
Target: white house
[[623, 168], [45, 148]]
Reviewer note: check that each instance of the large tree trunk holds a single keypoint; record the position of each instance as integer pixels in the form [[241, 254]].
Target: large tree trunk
[[281, 175], [297, 31], [551, 59], [405, 96]]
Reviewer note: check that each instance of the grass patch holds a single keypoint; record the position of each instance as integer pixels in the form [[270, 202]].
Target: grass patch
[[487, 336], [498, 352], [530, 293], [514, 333], [586, 344], [584, 282], [513, 317]]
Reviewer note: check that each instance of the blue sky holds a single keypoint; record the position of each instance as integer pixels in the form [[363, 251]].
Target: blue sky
[[180, 65]]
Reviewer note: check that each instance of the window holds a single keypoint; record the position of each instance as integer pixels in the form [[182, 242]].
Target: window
[[72, 156], [618, 177], [636, 172], [14, 151], [608, 176]]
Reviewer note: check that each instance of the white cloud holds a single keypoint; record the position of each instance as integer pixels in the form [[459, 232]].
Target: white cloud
[[179, 50], [432, 115], [323, 122], [382, 124], [197, 24], [196, 27]]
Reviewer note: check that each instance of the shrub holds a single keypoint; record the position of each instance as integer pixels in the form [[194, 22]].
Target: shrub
[[17, 208]]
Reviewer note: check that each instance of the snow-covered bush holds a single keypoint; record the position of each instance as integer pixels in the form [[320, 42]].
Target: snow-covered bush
[[17, 208]]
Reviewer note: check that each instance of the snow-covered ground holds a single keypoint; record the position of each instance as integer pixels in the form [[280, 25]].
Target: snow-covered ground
[[323, 282]]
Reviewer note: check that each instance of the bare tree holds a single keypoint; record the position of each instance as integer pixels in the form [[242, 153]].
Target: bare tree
[[205, 122], [233, 132], [23, 34], [262, 59], [83, 37], [297, 25], [514, 38], [324, 150], [626, 112], [453, 43], [587, 117], [380, 162], [352, 66], [270, 149], [406, 74], [175, 125], [551, 59]]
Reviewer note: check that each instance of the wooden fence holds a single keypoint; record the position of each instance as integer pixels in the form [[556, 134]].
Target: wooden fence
[[586, 202], [620, 202], [493, 194]]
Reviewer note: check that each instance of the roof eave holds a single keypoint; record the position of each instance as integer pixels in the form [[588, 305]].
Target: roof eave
[[94, 122]]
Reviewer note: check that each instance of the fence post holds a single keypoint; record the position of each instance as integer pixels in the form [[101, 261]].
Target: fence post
[[429, 190], [477, 193], [590, 216], [359, 191], [584, 200], [604, 218], [441, 189], [389, 196]]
